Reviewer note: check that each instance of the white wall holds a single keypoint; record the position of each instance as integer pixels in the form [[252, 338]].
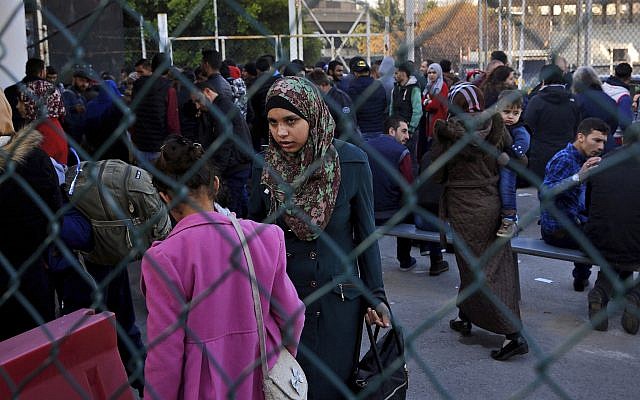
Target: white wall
[[13, 42]]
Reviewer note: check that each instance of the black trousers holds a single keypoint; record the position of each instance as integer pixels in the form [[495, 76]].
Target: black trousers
[[562, 238], [116, 297]]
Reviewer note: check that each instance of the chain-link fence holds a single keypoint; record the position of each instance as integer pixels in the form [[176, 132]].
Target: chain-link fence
[[96, 172]]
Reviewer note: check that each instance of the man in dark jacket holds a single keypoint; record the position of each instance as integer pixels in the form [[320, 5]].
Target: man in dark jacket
[[340, 106], [406, 100], [76, 104], [157, 111], [369, 99], [219, 120], [211, 63], [613, 227], [388, 151], [553, 117], [267, 75]]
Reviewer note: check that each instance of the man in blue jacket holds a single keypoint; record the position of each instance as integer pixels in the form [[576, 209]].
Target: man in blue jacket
[[369, 99]]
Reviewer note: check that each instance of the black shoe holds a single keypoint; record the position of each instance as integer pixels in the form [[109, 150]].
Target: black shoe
[[580, 284], [630, 320], [597, 303], [514, 347], [409, 265], [438, 267], [462, 326]]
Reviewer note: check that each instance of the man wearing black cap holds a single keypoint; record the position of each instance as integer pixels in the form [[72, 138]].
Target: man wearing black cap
[[369, 99], [75, 103]]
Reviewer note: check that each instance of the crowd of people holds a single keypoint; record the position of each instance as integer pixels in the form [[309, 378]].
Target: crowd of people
[[311, 159]]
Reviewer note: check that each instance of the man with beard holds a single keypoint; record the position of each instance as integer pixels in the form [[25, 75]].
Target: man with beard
[[571, 165], [76, 104]]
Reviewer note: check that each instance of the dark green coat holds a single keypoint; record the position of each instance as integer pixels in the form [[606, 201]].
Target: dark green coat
[[326, 274]]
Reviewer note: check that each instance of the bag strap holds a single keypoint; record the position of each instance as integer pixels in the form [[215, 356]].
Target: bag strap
[[374, 346], [257, 305]]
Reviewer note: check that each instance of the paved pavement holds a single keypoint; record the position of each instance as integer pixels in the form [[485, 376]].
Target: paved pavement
[[566, 359]]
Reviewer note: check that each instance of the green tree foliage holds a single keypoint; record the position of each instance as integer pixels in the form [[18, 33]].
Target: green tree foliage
[[235, 17]]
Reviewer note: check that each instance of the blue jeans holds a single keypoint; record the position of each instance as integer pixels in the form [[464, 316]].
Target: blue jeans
[[507, 189], [403, 245], [435, 250]]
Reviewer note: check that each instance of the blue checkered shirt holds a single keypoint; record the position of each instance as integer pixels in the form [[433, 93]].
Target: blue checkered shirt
[[562, 166]]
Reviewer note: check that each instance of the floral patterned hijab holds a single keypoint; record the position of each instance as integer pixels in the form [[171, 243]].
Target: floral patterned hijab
[[305, 184]]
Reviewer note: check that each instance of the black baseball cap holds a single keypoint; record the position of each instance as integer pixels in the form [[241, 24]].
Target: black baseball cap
[[359, 64]]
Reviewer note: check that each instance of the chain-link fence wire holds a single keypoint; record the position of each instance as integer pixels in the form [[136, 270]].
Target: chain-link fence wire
[[15, 274], [584, 33]]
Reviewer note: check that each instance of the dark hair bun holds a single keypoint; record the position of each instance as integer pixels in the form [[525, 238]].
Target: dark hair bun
[[178, 157]]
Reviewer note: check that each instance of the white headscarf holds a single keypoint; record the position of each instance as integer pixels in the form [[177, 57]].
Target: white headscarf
[[434, 88]]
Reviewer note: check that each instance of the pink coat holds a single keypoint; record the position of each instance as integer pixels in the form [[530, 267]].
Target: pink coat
[[203, 353]]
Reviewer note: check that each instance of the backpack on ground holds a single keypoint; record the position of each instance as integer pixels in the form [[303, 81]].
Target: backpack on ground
[[124, 208]]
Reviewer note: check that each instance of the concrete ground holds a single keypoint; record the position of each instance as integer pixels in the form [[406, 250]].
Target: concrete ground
[[566, 359]]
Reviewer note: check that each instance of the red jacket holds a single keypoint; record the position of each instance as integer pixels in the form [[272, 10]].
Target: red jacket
[[436, 109]]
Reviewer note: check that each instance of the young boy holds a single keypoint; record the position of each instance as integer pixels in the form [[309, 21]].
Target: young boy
[[510, 108]]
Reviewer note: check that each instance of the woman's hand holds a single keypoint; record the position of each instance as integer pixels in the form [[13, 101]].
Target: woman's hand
[[380, 316]]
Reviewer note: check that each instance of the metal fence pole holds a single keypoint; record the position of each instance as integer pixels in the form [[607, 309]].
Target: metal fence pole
[[368, 35], [480, 44], [521, 55], [500, 24], [293, 40], [300, 31], [409, 26], [143, 46], [587, 34], [215, 24]]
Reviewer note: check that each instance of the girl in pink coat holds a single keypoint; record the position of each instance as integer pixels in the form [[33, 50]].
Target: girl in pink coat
[[202, 330]]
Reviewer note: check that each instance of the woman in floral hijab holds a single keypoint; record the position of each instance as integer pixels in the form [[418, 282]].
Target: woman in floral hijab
[[319, 191]]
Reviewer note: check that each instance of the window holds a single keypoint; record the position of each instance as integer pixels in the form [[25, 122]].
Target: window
[[557, 10], [546, 10], [570, 9], [624, 9], [596, 9], [620, 55], [611, 9]]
